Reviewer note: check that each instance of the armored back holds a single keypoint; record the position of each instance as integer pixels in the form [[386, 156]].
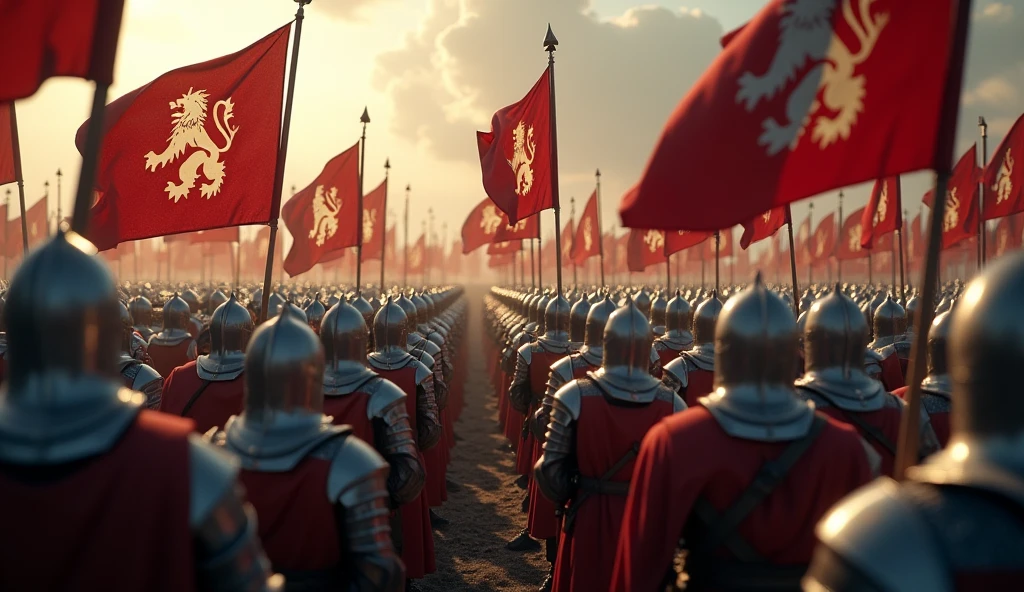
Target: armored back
[[597, 320], [705, 319], [284, 368], [627, 350], [231, 328], [578, 319], [678, 315], [315, 312], [176, 313], [343, 334], [390, 329], [556, 319], [890, 321], [835, 335]]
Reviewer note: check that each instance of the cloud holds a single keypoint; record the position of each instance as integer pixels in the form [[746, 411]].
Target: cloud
[[996, 11], [996, 91], [617, 80], [345, 9]]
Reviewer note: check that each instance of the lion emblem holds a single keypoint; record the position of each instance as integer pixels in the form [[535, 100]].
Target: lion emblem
[[883, 206], [856, 234], [523, 152], [654, 239], [490, 220], [326, 206], [1004, 184], [819, 246], [369, 222], [588, 234], [188, 114], [952, 215], [806, 37]]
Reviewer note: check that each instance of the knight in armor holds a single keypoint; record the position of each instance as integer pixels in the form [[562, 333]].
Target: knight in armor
[[173, 346], [320, 491], [955, 522], [137, 375], [597, 424], [211, 389], [315, 312], [659, 310], [142, 312], [392, 361], [97, 493], [373, 407], [837, 384], [692, 374], [195, 325], [936, 388], [723, 478], [526, 394], [890, 325], [578, 323], [677, 337]]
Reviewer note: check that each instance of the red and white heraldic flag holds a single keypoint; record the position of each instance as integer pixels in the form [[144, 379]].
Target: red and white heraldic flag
[[960, 219], [418, 255], [44, 38], [850, 245], [586, 242], [807, 97], [195, 149], [9, 165], [680, 240], [526, 228], [373, 220], [884, 212], [823, 244], [480, 225], [1003, 181], [644, 248], [515, 156], [764, 226], [324, 216]]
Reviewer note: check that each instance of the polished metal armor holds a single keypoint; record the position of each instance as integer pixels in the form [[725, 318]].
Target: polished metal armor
[[960, 510], [177, 316], [659, 310], [215, 300], [365, 308], [642, 299], [625, 366], [578, 320], [754, 398], [890, 324], [230, 329], [142, 312], [137, 375], [344, 335], [274, 305], [937, 382], [62, 403], [556, 319], [192, 299], [702, 355], [678, 319], [315, 312]]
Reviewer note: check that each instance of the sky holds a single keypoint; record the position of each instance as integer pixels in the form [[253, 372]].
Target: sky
[[431, 72]]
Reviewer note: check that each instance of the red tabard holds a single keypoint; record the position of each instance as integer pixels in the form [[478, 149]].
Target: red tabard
[[350, 410], [689, 455], [218, 402], [297, 523], [604, 434], [700, 383], [885, 420], [436, 469], [119, 523], [417, 535], [892, 373], [667, 355], [541, 519], [167, 358]]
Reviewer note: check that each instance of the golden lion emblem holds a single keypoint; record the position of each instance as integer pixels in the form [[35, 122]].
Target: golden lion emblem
[[806, 36], [326, 206], [856, 234], [369, 222], [952, 215], [1004, 184], [490, 220], [882, 204], [654, 239], [188, 114], [523, 151], [588, 234]]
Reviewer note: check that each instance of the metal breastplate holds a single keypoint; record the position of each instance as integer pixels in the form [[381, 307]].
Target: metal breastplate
[[279, 446], [65, 420], [856, 392], [701, 357], [169, 337]]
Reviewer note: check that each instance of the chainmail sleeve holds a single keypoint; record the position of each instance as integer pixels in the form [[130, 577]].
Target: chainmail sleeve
[[394, 439], [557, 468], [428, 423], [519, 395]]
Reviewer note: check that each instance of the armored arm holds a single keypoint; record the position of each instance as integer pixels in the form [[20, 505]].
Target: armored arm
[[228, 552], [427, 422], [560, 374], [675, 376], [149, 382], [557, 468], [357, 485], [519, 395], [440, 386], [395, 441]]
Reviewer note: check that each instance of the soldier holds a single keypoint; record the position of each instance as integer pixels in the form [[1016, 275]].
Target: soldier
[[154, 508], [692, 374], [837, 384], [195, 326], [936, 388], [578, 324], [391, 360], [142, 312], [955, 523], [659, 310], [137, 375], [725, 476], [677, 337], [290, 459], [373, 407], [533, 366], [211, 389], [597, 423], [173, 346], [214, 301], [315, 312], [890, 325]]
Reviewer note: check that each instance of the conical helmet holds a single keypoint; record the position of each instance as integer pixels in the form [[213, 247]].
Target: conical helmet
[[315, 312], [231, 328], [705, 319]]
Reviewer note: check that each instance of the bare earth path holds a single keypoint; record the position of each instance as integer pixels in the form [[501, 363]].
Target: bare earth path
[[484, 512]]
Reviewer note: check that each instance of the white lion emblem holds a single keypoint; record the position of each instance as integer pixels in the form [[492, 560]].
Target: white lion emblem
[[819, 246], [856, 234], [490, 220], [523, 151], [766, 216], [882, 205], [369, 221], [654, 239], [588, 231], [806, 36], [952, 216], [189, 131], [326, 206], [1004, 184]]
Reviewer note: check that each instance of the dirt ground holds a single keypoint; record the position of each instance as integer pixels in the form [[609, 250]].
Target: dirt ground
[[485, 510]]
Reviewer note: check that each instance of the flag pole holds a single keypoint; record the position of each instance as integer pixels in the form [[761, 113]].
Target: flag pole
[[572, 221], [810, 227], [364, 119], [60, 175], [839, 262], [19, 177], [533, 258], [384, 223], [238, 264], [405, 257], [444, 255], [282, 154], [668, 264], [7, 231], [550, 44], [718, 245], [792, 263], [903, 281], [892, 257], [522, 265], [600, 234], [982, 232]]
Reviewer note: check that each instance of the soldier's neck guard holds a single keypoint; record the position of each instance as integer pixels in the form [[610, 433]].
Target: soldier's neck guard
[[851, 389], [701, 356], [938, 384], [280, 440], [764, 413], [681, 339], [221, 368], [346, 377], [556, 342], [390, 358], [994, 464], [170, 337], [881, 342], [593, 354], [635, 386]]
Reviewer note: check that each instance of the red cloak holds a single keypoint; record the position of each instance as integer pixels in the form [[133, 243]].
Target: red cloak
[[118, 523], [700, 383], [168, 357], [886, 420], [217, 403], [689, 455], [541, 519], [350, 410]]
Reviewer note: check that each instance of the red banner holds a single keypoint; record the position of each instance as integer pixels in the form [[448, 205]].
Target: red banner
[[418, 256], [824, 245], [504, 247], [585, 242], [884, 212], [645, 248], [763, 226], [1003, 181], [38, 229], [849, 244], [374, 203], [221, 235], [9, 166], [960, 219], [684, 239]]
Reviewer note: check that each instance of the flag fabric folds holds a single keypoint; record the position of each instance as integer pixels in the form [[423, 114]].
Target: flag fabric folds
[[44, 38], [195, 149], [788, 111], [586, 241], [504, 247], [679, 240], [418, 256], [1002, 182], [515, 156], [644, 248], [763, 225], [220, 235], [324, 217], [38, 229], [850, 245], [824, 241], [373, 218], [10, 168], [524, 229], [884, 212], [961, 215]]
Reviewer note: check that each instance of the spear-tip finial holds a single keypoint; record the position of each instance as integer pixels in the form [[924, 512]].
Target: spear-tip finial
[[387, 164], [549, 40], [598, 173], [408, 187], [365, 117]]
